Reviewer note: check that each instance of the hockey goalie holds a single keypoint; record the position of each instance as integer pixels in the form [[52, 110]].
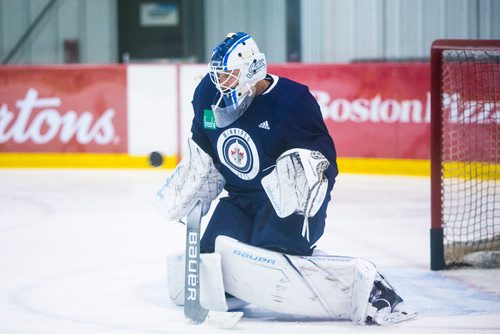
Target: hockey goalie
[[262, 138]]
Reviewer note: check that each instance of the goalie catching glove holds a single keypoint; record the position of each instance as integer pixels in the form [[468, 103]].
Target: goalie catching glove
[[297, 184], [194, 179]]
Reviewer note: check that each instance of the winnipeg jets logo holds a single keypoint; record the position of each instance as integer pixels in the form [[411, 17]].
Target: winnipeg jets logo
[[237, 152]]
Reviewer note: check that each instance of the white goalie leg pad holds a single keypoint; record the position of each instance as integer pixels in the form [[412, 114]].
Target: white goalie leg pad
[[211, 283], [331, 287], [266, 279]]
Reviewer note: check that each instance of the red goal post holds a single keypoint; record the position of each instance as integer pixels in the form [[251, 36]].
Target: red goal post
[[465, 151]]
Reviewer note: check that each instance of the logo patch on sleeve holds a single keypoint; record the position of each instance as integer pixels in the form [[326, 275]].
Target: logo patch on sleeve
[[209, 120]]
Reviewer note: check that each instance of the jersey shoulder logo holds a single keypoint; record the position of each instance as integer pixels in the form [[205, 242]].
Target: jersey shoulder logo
[[209, 119], [237, 151]]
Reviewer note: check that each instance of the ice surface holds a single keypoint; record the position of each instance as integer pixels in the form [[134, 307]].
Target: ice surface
[[83, 251]]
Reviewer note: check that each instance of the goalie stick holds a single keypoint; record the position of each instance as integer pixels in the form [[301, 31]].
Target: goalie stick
[[192, 307]]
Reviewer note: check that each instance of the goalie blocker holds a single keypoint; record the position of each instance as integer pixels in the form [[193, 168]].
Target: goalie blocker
[[329, 287]]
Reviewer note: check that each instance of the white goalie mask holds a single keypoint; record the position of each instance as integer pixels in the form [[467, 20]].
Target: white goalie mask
[[235, 68]]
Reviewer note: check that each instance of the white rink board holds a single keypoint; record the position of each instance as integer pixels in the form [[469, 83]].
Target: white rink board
[[152, 109], [191, 76], [83, 251], [159, 106]]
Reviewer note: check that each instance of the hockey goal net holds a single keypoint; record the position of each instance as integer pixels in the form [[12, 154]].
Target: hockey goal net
[[465, 153]]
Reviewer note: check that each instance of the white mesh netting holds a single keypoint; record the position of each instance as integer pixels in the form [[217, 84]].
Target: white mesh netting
[[471, 152]]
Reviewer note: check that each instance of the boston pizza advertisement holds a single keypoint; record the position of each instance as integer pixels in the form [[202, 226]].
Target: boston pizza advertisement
[[372, 110], [63, 109]]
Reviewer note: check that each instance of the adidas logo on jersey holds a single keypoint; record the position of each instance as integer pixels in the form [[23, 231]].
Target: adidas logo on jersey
[[264, 125]]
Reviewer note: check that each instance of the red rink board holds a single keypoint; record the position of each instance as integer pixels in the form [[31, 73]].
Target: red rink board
[[373, 110], [63, 109]]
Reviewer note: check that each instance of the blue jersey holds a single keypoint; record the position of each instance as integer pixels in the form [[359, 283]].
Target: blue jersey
[[285, 116]]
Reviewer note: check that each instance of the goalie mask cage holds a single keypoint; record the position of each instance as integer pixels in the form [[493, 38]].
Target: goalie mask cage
[[465, 151]]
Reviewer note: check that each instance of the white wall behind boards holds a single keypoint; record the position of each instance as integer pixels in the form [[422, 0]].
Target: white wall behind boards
[[332, 31], [93, 23]]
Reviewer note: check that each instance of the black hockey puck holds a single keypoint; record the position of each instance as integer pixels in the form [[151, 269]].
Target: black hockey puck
[[155, 159]]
